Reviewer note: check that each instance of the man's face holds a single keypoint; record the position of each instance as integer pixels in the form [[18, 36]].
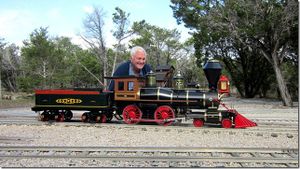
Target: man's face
[[138, 60]]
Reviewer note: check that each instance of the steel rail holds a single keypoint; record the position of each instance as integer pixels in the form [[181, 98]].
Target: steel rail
[[99, 148], [288, 157], [151, 149], [259, 129]]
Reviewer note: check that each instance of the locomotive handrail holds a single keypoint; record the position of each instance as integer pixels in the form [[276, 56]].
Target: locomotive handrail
[[223, 104]]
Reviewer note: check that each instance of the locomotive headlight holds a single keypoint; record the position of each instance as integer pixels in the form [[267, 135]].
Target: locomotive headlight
[[223, 85]]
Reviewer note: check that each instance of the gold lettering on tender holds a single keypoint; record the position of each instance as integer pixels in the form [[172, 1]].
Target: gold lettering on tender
[[68, 101]]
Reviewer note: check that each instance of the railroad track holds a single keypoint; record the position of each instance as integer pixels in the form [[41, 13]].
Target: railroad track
[[270, 129], [266, 127], [262, 121], [186, 156], [276, 121]]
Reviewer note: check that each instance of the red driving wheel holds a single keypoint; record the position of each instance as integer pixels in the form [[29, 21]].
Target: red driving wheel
[[132, 114], [198, 122], [60, 117], [45, 115], [163, 114], [103, 118], [226, 123], [84, 117]]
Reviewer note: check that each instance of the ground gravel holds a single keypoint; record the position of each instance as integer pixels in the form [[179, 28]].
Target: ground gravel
[[61, 134], [109, 135]]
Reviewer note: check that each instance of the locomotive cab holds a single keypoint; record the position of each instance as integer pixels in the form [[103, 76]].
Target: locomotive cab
[[127, 88]]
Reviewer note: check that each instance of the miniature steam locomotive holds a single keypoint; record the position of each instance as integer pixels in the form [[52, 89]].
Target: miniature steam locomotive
[[139, 99]]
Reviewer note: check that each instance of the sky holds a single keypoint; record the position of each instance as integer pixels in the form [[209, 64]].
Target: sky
[[19, 18]]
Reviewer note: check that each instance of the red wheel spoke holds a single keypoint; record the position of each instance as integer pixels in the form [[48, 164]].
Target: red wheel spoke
[[132, 114], [163, 115]]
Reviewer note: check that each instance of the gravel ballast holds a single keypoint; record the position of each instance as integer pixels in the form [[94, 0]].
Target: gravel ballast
[[117, 134], [109, 135]]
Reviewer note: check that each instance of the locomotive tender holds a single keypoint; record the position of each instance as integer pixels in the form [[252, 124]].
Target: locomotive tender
[[138, 99]]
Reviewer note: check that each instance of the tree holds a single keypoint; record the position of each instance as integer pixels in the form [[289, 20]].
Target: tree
[[162, 45], [73, 65], [120, 20], [143, 39], [211, 40], [277, 23], [244, 25], [39, 62], [94, 36], [243, 65], [86, 69], [2, 44], [172, 45], [10, 67]]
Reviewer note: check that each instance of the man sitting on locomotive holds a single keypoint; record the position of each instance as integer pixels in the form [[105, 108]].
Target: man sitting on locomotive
[[136, 66]]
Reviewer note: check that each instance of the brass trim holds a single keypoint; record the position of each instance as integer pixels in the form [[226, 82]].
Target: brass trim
[[138, 94], [203, 100], [205, 116], [125, 95], [187, 97], [158, 93], [154, 101], [220, 116]]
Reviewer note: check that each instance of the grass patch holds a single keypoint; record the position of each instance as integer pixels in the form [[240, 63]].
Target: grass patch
[[16, 100], [17, 103]]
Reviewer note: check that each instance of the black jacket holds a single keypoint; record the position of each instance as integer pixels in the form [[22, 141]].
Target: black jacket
[[123, 70]]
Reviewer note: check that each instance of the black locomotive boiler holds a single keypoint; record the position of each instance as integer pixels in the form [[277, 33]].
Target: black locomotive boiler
[[139, 99]]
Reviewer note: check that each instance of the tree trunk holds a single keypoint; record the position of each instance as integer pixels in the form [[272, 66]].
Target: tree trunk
[[104, 75], [285, 95], [44, 75], [157, 57], [115, 58]]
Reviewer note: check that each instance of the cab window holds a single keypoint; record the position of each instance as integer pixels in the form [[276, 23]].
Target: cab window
[[130, 85], [121, 85]]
